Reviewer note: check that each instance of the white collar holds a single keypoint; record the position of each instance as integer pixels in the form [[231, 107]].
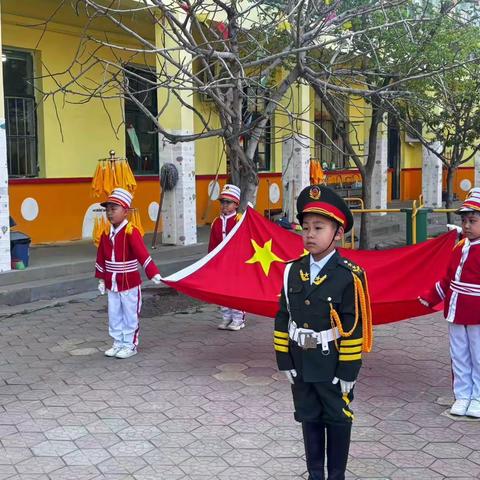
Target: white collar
[[322, 262], [228, 216], [114, 231]]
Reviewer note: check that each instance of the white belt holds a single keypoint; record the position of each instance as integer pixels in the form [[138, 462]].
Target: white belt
[[465, 288], [121, 267], [324, 337], [121, 270]]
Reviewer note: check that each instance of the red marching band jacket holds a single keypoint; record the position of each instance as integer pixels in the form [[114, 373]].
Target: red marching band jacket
[[460, 287], [221, 227], [119, 255]]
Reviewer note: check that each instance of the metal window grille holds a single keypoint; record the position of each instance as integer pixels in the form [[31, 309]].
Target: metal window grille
[[21, 136], [147, 163]]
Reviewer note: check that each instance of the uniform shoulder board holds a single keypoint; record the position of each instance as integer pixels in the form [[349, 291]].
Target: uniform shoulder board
[[459, 244], [349, 265], [213, 221], [238, 217]]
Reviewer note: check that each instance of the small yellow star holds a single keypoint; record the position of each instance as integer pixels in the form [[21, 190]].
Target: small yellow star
[[264, 255]]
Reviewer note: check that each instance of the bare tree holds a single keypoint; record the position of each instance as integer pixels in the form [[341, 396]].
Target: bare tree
[[393, 49], [234, 54], [445, 113]]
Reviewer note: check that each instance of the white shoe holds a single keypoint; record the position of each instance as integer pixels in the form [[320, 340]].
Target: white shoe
[[126, 352], [111, 352], [460, 407], [236, 325], [473, 409], [223, 325]]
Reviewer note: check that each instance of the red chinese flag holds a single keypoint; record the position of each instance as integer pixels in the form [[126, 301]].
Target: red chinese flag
[[246, 270]]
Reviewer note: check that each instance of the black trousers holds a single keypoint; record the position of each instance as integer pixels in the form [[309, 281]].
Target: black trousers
[[337, 443]]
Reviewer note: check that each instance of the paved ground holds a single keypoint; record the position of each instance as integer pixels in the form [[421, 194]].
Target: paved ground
[[197, 403]]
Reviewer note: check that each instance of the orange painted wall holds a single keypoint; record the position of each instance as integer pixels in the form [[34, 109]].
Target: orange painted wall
[[62, 206], [466, 173], [410, 183], [63, 203]]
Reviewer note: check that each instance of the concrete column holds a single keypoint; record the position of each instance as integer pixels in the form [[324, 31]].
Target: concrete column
[[295, 171], [476, 177], [379, 181], [432, 177], [5, 261], [179, 206], [296, 150]]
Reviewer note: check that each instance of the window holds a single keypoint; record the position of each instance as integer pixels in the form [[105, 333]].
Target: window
[[329, 149], [139, 129], [254, 105], [20, 113]]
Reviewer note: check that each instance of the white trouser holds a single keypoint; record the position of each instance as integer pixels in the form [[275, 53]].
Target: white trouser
[[465, 354], [123, 310], [231, 314]]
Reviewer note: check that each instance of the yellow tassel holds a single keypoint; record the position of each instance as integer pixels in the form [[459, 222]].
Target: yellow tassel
[[117, 166], [107, 179], [138, 223], [366, 307], [130, 181], [114, 175], [97, 181], [361, 296]]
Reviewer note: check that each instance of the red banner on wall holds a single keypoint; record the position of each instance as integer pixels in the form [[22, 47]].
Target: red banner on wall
[[246, 270]]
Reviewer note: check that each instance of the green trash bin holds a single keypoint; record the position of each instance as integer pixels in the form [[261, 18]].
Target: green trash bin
[[421, 224]]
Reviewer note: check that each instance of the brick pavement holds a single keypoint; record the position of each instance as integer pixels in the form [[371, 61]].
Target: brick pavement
[[198, 403]]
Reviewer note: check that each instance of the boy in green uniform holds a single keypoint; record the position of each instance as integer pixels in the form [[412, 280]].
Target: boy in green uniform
[[323, 324]]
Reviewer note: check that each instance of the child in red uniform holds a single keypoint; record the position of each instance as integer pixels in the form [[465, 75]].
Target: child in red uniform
[[118, 256], [460, 290], [229, 199]]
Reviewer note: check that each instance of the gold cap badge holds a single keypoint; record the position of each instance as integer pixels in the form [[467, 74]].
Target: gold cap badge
[[315, 193]]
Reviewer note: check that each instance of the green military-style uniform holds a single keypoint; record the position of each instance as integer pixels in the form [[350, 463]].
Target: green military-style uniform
[[321, 329]]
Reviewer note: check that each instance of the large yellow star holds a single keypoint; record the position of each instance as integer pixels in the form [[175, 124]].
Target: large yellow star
[[264, 255]]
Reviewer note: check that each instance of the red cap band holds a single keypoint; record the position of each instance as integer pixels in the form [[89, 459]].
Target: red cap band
[[325, 209]]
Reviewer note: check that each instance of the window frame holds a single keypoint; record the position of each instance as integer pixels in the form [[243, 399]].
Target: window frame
[[31, 166], [130, 107]]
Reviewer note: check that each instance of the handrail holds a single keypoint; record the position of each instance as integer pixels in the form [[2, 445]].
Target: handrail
[[355, 199], [378, 210]]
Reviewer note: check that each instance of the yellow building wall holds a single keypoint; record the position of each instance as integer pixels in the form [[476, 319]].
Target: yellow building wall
[[70, 145]]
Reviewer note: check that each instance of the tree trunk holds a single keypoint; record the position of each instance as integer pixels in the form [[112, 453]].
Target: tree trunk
[[366, 220], [242, 173], [449, 201]]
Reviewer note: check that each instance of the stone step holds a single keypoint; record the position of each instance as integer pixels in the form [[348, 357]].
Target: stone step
[[60, 285], [71, 265]]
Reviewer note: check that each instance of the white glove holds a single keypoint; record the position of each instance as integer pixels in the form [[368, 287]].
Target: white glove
[[344, 385], [157, 279], [454, 227], [101, 287], [423, 302], [290, 374]]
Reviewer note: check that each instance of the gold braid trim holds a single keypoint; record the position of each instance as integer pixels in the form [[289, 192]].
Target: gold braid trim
[[367, 325], [363, 298]]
